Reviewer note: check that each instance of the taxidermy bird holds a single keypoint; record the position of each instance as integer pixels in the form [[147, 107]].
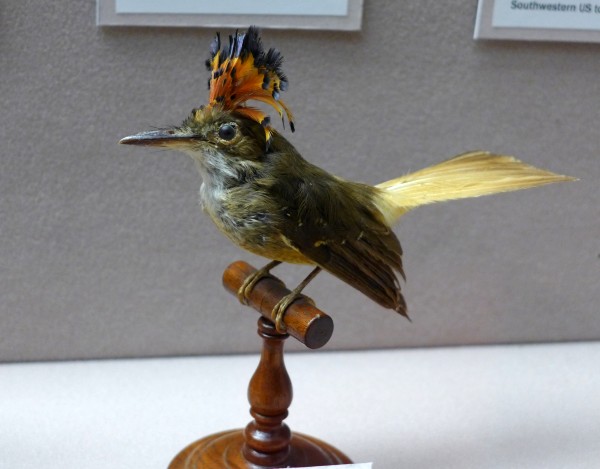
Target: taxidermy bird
[[266, 198]]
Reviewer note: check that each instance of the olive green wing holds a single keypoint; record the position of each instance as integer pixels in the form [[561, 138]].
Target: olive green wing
[[335, 224]]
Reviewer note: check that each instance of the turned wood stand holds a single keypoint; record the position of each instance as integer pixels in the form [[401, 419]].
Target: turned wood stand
[[267, 441]]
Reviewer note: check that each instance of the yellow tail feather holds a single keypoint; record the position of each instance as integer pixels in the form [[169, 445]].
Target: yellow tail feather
[[468, 175]]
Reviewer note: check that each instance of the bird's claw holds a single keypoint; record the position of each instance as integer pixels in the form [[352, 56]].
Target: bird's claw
[[250, 282], [278, 313], [279, 310], [248, 285]]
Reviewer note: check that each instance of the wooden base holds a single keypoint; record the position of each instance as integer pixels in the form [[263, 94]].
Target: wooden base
[[267, 441], [225, 451]]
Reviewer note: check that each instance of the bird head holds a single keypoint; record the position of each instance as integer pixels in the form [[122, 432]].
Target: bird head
[[207, 130], [240, 73]]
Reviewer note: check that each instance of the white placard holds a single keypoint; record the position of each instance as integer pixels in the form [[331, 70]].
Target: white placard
[[550, 20], [297, 14], [239, 7]]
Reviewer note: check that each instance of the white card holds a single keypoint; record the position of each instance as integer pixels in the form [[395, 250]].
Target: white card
[[538, 20]]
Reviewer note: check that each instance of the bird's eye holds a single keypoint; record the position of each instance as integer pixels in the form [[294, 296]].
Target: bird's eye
[[227, 131]]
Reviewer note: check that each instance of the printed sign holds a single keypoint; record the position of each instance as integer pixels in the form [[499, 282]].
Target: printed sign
[[304, 14], [548, 20]]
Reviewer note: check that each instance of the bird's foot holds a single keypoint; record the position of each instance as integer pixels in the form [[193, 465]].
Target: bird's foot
[[250, 282], [278, 312]]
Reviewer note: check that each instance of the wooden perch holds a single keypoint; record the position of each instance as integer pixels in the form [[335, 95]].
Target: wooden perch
[[303, 320]]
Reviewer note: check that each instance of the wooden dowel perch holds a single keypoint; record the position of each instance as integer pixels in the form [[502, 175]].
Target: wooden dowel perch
[[303, 320]]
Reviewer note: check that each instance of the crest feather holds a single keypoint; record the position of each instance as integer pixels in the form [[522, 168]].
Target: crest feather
[[243, 72]]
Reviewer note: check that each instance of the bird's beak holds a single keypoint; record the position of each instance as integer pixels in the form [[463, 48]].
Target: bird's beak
[[163, 138]]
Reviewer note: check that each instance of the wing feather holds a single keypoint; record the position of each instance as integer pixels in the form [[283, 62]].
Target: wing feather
[[336, 225]]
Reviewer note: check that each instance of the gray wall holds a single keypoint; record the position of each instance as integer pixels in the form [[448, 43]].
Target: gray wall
[[105, 253]]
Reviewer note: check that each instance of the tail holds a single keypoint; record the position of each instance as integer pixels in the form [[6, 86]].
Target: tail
[[468, 175]]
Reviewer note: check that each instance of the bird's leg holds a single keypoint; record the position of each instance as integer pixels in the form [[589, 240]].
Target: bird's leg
[[281, 306], [252, 280]]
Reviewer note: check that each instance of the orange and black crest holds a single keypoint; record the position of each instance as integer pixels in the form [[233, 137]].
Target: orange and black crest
[[245, 72]]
